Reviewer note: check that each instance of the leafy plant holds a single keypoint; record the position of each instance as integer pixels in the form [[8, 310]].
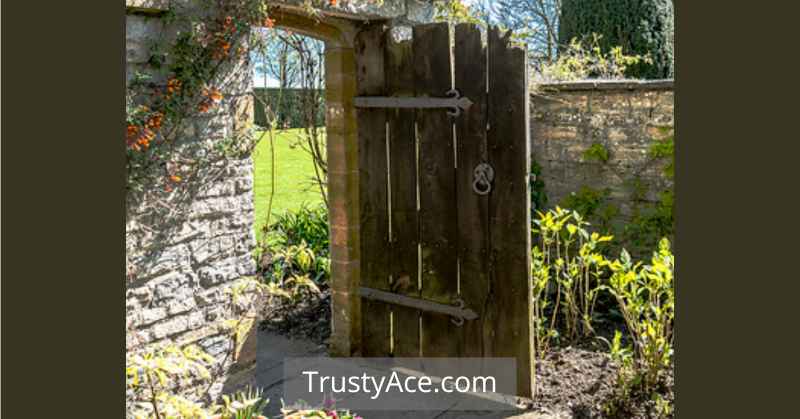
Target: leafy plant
[[646, 297], [664, 148], [152, 375], [309, 224], [584, 58], [566, 258], [295, 252], [299, 260], [643, 27], [538, 193], [302, 410], [594, 205], [457, 11], [244, 405], [597, 152]]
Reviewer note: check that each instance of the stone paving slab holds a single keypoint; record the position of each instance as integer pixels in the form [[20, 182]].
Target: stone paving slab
[[273, 349]]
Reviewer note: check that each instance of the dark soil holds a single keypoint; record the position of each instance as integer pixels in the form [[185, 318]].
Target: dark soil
[[577, 382], [308, 318]]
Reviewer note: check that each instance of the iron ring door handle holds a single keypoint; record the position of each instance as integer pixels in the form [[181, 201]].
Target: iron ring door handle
[[483, 176]]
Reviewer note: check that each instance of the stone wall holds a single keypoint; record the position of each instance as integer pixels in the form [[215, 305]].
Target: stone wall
[[185, 247], [622, 116]]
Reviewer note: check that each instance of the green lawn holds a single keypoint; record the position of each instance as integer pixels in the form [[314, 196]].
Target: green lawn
[[294, 171]]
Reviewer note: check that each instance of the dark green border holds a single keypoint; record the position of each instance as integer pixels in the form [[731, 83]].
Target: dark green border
[[738, 288], [62, 209]]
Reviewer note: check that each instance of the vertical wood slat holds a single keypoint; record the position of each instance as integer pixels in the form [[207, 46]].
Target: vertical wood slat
[[373, 192], [438, 224], [473, 211], [398, 63], [509, 206]]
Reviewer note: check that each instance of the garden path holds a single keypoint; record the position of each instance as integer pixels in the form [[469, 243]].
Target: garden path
[[273, 348]]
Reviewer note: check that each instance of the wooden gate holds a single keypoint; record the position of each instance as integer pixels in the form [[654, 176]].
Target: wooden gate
[[444, 198]]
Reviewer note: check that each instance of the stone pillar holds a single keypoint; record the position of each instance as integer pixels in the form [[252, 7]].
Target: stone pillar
[[343, 199]]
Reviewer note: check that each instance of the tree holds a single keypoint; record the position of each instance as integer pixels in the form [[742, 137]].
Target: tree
[[640, 27], [535, 22]]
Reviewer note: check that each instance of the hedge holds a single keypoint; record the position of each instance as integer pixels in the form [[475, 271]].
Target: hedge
[[289, 110]]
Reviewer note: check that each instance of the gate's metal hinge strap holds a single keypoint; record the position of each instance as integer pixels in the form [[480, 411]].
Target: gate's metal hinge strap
[[454, 102], [459, 312]]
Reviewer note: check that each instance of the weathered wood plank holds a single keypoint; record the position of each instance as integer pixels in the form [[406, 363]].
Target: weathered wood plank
[[473, 211], [373, 192], [398, 62], [509, 203], [438, 224]]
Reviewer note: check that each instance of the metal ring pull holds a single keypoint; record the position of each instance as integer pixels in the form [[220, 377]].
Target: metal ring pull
[[483, 177]]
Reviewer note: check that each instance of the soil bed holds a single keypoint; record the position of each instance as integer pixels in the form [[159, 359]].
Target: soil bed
[[308, 318]]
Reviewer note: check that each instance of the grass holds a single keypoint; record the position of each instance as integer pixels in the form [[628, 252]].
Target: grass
[[294, 171]]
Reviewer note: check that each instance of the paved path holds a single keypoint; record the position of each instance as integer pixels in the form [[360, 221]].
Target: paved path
[[274, 348]]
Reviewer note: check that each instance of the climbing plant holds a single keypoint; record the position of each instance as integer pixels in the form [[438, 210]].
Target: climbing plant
[[211, 37]]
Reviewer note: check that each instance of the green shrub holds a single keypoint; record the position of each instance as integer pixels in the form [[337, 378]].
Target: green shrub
[[295, 267], [566, 258], [646, 297], [309, 224], [569, 273], [639, 27], [594, 205], [584, 58], [538, 192], [297, 245], [287, 105]]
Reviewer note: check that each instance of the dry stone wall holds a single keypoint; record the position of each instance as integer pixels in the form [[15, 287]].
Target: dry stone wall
[[185, 247], [624, 117]]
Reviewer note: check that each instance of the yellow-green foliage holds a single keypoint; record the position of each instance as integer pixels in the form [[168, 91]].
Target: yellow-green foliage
[[566, 259], [646, 297], [584, 58], [154, 374], [569, 272]]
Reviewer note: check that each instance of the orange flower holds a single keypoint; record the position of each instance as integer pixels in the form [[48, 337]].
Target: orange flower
[[333, 2], [132, 130], [131, 135], [155, 120], [215, 95], [175, 178], [173, 85], [223, 49], [269, 23]]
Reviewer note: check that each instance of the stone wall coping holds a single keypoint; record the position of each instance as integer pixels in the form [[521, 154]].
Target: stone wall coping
[[582, 85]]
